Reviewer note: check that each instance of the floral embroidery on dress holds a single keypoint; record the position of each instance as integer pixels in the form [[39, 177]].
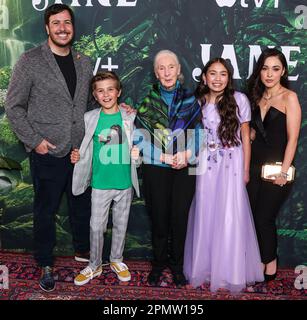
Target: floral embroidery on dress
[[214, 146]]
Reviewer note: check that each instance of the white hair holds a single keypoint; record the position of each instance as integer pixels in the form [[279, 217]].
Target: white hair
[[166, 53]]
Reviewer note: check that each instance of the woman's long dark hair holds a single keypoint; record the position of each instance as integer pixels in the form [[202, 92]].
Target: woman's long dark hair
[[226, 105], [255, 85]]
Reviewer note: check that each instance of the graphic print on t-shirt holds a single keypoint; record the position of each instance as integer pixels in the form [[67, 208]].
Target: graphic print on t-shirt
[[113, 135], [111, 155]]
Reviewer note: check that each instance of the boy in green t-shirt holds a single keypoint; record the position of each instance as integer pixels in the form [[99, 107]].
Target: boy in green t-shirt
[[103, 162]]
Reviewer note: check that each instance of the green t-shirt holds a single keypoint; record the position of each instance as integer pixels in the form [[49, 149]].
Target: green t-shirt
[[111, 156]]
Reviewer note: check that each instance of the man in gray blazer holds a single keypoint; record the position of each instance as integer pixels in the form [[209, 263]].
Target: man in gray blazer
[[46, 102]]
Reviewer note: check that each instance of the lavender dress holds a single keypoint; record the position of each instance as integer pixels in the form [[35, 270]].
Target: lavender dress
[[221, 245]]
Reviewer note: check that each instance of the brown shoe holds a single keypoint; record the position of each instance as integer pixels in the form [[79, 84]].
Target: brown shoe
[[82, 257], [86, 275], [121, 270]]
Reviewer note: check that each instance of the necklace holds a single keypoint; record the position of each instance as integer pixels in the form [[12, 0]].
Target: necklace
[[272, 96], [267, 99]]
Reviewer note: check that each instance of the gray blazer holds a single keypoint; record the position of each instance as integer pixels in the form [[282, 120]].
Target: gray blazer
[[83, 168], [39, 105]]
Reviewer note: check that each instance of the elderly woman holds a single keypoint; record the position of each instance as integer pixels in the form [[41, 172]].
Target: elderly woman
[[167, 113]]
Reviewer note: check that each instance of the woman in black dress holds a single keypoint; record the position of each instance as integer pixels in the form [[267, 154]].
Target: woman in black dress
[[276, 119]]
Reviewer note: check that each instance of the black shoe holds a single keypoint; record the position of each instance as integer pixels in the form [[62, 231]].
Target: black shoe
[[154, 277], [270, 277], [82, 256], [46, 281], [179, 279]]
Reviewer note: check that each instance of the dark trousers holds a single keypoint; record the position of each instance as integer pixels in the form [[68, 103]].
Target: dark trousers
[[52, 177], [168, 195], [266, 200]]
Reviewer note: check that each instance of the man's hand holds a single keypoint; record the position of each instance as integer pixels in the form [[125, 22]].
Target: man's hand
[[44, 147], [75, 156]]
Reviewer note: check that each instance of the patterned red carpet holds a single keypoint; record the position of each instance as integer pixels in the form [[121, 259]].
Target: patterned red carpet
[[24, 275]]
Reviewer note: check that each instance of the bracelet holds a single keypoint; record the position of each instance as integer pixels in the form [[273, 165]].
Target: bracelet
[[284, 175]]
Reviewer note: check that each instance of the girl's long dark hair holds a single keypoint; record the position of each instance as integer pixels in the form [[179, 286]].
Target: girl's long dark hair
[[226, 105], [255, 85]]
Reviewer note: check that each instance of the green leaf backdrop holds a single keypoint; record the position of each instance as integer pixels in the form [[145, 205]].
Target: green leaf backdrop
[[131, 36]]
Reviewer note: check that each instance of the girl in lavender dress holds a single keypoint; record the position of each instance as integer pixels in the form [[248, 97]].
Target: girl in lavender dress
[[221, 245]]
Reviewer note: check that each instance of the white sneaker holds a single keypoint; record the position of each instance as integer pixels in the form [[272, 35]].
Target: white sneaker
[[121, 271], [86, 275]]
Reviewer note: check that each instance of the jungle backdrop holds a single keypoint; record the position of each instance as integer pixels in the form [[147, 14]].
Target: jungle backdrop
[[124, 35]]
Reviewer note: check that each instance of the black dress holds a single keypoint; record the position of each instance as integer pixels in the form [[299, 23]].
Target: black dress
[[267, 198]]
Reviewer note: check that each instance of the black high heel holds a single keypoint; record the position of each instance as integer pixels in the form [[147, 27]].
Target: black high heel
[[271, 277]]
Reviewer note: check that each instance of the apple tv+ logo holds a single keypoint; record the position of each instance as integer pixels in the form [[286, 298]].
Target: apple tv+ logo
[[244, 3], [225, 3]]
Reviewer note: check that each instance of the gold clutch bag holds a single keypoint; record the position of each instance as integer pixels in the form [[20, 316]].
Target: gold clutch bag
[[269, 170]]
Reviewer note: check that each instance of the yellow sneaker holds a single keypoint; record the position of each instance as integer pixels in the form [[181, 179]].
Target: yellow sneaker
[[121, 270], [86, 275]]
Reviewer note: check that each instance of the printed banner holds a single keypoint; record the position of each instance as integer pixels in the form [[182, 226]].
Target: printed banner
[[124, 36]]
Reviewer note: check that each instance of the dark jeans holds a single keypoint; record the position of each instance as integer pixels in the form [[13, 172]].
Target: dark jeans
[[52, 177], [168, 195]]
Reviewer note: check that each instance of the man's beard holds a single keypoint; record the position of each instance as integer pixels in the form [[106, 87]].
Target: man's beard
[[60, 44]]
